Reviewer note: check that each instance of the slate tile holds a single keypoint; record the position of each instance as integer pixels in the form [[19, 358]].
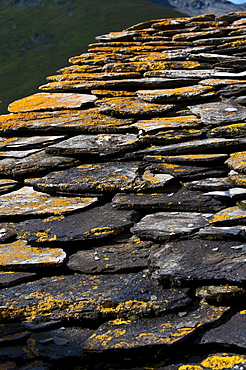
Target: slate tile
[[89, 297], [102, 177], [7, 185], [234, 130], [7, 232], [128, 256], [195, 159], [184, 262], [84, 121], [231, 333], [210, 184], [33, 164], [237, 162], [233, 193], [176, 95], [18, 153], [78, 226], [171, 136], [238, 180], [182, 200], [22, 143], [27, 202], [166, 225], [20, 256], [103, 145], [158, 332], [46, 101], [224, 232], [10, 278], [221, 294], [132, 107], [196, 74], [229, 216], [224, 112]]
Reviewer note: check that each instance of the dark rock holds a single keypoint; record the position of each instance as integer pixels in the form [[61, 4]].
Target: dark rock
[[9, 278], [224, 233], [210, 184], [222, 294]]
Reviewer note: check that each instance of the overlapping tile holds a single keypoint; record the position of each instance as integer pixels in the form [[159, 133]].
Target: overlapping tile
[[123, 206]]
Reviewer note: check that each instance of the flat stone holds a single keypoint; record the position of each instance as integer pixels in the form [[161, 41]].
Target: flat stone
[[90, 297], [223, 233], [83, 121], [183, 262], [10, 278], [171, 136], [27, 202], [159, 332], [102, 177], [104, 144], [210, 184], [194, 146], [234, 130], [73, 75], [231, 333], [127, 256], [18, 153], [223, 112], [222, 294], [227, 194], [132, 107], [7, 232], [10, 333], [229, 216], [166, 225], [34, 163], [46, 101], [238, 180], [78, 226], [18, 255], [219, 83], [7, 185], [196, 159], [182, 200], [182, 73], [22, 143], [237, 162], [176, 95], [234, 90], [167, 123]]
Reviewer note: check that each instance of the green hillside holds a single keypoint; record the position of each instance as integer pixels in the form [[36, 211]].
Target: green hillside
[[36, 40]]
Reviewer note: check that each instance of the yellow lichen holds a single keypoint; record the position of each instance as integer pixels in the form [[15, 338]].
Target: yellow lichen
[[222, 362]]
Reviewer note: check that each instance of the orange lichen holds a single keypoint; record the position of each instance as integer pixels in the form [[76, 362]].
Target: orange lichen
[[222, 362]]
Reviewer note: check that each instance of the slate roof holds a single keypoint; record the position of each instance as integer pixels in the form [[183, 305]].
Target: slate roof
[[123, 205]]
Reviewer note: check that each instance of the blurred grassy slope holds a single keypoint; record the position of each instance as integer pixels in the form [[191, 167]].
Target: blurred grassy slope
[[36, 41]]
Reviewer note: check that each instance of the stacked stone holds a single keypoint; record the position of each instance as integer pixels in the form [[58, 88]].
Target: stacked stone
[[123, 205]]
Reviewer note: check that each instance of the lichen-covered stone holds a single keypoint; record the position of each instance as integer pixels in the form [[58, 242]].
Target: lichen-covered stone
[[167, 123], [237, 162], [221, 294], [9, 278], [22, 143], [7, 185], [229, 216], [46, 101]]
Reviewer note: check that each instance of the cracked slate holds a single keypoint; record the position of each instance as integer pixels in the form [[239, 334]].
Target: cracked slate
[[179, 262]]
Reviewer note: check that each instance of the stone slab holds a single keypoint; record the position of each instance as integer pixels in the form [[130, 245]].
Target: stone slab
[[171, 136], [183, 262], [167, 123], [20, 256], [7, 185], [210, 184], [224, 233], [27, 202], [237, 162], [7, 232], [223, 113], [89, 297], [83, 121], [233, 193], [10, 278], [22, 143], [182, 73], [102, 177], [35, 163], [46, 101], [103, 145], [128, 256], [166, 225], [221, 294], [233, 130], [132, 107], [160, 332], [182, 200], [229, 216], [78, 226], [195, 159], [231, 333]]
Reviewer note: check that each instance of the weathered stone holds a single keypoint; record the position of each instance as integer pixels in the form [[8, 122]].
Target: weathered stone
[[9, 278], [234, 130], [89, 297], [237, 162], [229, 216], [166, 225], [176, 95], [182, 200], [210, 184], [167, 123], [223, 112], [231, 333], [182, 262], [182, 73], [172, 136], [18, 153], [128, 256], [132, 107], [88, 121], [7, 232], [27, 202], [160, 332], [22, 143], [196, 159], [227, 194], [34, 163], [222, 294], [73, 76], [8, 185], [224, 233], [46, 101], [79, 226], [238, 180], [104, 144], [18, 255], [104, 177]]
